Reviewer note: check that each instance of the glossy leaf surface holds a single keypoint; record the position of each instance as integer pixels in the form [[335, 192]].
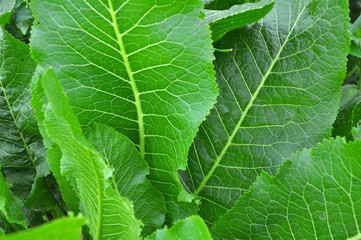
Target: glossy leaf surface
[[348, 117], [279, 93], [314, 196], [186, 229], [110, 215], [22, 154], [223, 21], [147, 74], [129, 177], [62, 229]]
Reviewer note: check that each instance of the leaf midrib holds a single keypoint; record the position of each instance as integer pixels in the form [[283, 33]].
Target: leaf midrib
[[132, 82], [248, 107]]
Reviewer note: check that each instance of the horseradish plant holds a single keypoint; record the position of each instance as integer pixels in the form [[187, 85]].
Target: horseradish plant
[[170, 119]]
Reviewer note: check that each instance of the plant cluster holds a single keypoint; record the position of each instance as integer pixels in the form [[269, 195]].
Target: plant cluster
[[180, 119]]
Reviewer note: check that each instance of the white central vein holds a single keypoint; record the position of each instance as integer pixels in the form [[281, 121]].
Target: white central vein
[[245, 112], [131, 79]]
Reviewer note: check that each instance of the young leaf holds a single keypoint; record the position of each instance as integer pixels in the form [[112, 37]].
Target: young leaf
[[223, 21], [60, 229], [314, 196], [110, 215], [129, 177], [348, 117], [10, 206], [22, 154], [141, 67], [279, 93], [53, 154], [187, 229]]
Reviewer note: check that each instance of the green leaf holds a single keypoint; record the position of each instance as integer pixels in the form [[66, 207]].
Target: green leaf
[[53, 156], [187, 229], [348, 92], [110, 215], [356, 131], [279, 93], [129, 177], [40, 192], [348, 117], [23, 156], [207, 1], [61, 229], [10, 206], [23, 19], [222, 4], [314, 196], [5, 11], [6, 6], [356, 26], [223, 21], [355, 48], [149, 74]]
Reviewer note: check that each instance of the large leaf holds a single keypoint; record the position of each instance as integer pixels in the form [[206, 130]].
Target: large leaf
[[316, 196], [61, 229], [142, 67], [279, 93], [110, 215], [22, 154], [10, 207], [187, 229], [129, 177], [223, 21]]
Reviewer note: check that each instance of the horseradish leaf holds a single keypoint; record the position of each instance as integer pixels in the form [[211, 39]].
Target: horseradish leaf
[[142, 67], [316, 195], [61, 229], [22, 155], [223, 21], [110, 215], [348, 117], [10, 206], [279, 93], [129, 177], [187, 229]]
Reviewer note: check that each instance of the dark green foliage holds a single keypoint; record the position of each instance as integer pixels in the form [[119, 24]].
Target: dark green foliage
[[178, 119]]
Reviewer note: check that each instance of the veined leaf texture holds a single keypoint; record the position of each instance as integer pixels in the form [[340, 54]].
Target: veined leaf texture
[[314, 196], [279, 93], [148, 74], [22, 155]]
